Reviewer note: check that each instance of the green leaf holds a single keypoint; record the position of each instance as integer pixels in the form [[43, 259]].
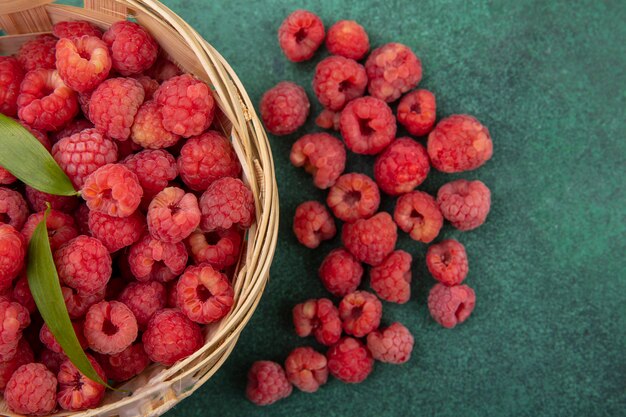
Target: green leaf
[[25, 157]]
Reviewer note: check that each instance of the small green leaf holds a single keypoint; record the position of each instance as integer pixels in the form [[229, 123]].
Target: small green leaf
[[23, 156]]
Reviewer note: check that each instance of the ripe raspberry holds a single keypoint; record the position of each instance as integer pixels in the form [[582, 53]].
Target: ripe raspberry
[[150, 85], [21, 293], [354, 196], [37, 53], [328, 119], [320, 318], [151, 259], [392, 69], [83, 62], [112, 189], [110, 327], [219, 248], [154, 169], [23, 356], [391, 345], [42, 137], [148, 131], [133, 49], [447, 262], [13, 208], [32, 389], [144, 299], [227, 202], [81, 218], [172, 294], [417, 214], [113, 106], [38, 199], [204, 294], [206, 158], [284, 108], [417, 112], [349, 361], [163, 69], [75, 28], [347, 38], [171, 336], [78, 303], [450, 306], [14, 318], [338, 80], [367, 125], [84, 264], [51, 359], [11, 76], [322, 155], [392, 279], [306, 369], [6, 177], [84, 100], [360, 313], [47, 338], [401, 167], [126, 364], [370, 240], [340, 272], [12, 255], [75, 126], [312, 224], [267, 383], [61, 228], [117, 232], [173, 215], [459, 143], [76, 391], [300, 35], [464, 203], [187, 105]]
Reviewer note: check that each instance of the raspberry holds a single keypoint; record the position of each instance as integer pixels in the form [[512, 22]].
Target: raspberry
[[172, 294], [227, 202], [21, 293], [75, 126], [32, 389], [13, 208], [219, 248], [360, 313], [206, 158], [320, 318], [151, 259], [51, 359], [148, 131], [42, 137], [392, 69], [113, 106], [447, 262], [417, 214], [163, 69], [349, 361], [23, 356], [367, 125], [322, 155], [464, 203], [150, 85], [83, 62], [45, 102], [81, 218], [133, 50], [12, 255], [267, 383], [204, 294], [11, 76], [300, 35], [14, 318], [117, 232], [328, 119], [76, 391], [450, 306], [38, 199], [84, 100], [187, 105], [110, 327], [171, 336], [126, 364], [112, 189], [37, 53], [338, 80], [459, 143], [284, 108], [347, 38], [370, 240], [312, 224], [76, 28], [391, 345], [173, 215], [392, 279], [78, 303], [154, 169], [84, 264], [340, 272], [6, 177], [401, 167], [417, 111], [354, 196], [47, 338], [60, 226], [144, 299], [306, 369]]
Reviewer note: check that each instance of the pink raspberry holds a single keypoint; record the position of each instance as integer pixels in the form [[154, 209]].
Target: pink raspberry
[[32, 389], [113, 106], [360, 313], [78, 303], [171, 336], [313, 224], [306, 369], [75, 28], [338, 80], [319, 318], [83, 62], [173, 215], [37, 53], [392, 69], [112, 189], [417, 111], [126, 364], [347, 38], [21, 293], [23, 356], [61, 228], [75, 126], [84, 100], [117, 232], [226, 203], [459, 143], [144, 299], [84, 264], [151, 259], [354, 196], [391, 345], [11, 76], [204, 294], [110, 327], [38, 199], [367, 125], [349, 361], [14, 318], [447, 262], [148, 131], [401, 167], [370, 240], [154, 169], [267, 383], [284, 108], [300, 35], [51, 359], [47, 338], [219, 248], [464, 203], [133, 49], [163, 69], [340, 272], [450, 306], [81, 218], [328, 119], [13, 208], [322, 155], [417, 214], [391, 280], [76, 391], [150, 85], [12, 254]]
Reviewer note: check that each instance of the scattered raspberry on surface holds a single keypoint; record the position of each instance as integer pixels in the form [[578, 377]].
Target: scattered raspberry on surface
[[13, 208], [110, 327], [417, 214], [173, 215], [393, 344], [150, 85], [81, 218], [61, 228], [370, 240], [328, 119], [117, 232], [11, 76], [38, 199], [204, 294], [226, 203], [367, 125], [267, 383], [171, 336], [154, 169], [32, 390], [349, 361], [401, 167], [354, 196], [14, 318], [338, 80], [47, 338], [76, 391], [392, 69], [163, 69], [12, 254], [391, 280], [450, 306], [21, 293], [144, 299], [124, 365], [75, 126], [83, 62], [319, 318], [306, 369], [75, 28], [113, 106], [23, 355], [340, 272], [284, 108], [447, 262], [300, 35], [464, 203], [313, 224], [417, 111], [322, 155], [133, 49], [219, 248], [112, 189], [347, 38], [78, 303], [37, 53], [151, 259], [360, 313], [148, 131], [51, 359], [84, 264]]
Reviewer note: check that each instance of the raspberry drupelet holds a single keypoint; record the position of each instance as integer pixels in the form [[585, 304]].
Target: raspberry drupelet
[[417, 111], [391, 280], [78, 303], [322, 155], [112, 189], [360, 313], [113, 106], [21, 293], [13, 208], [464, 203], [401, 167], [110, 327], [226, 203], [51, 359], [76, 391], [84, 264], [340, 272], [47, 338], [116, 232], [338, 80], [328, 119], [353, 196], [126, 364], [37, 201], [319, 318], [60, 226], [171, 336], [173, 215], [204, 294], [350, 361], [367, 125], [6, 177], [144, 299], [147, 130], [133, 49], [284, 108], [450, 306], [11, 76], [267, 383], [393, 344], [150, 85], [38, 53], [32, 390], [75, 28], [370, 240], [163, 69], [219, 248], [348, 39], [300, 35], [417, 214], [12, 254], [75, 126], [154, 169], [313, 224], [392, 69], [152, 259], [23, 356], [447, 262], [83, 62], [306, 369], [14, 318]]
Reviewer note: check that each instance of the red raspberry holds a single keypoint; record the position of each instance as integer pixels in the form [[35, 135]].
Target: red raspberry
[[47, 338], [42, 137], [51, 359], [328, 119], [172, 294], [340, 272], [171, 336], [391, 345], [447, 262], [300, 35], [83, 62], [81, 218], [6, 177], [347, 38], [206, 158], [37, 53], [126, 364], [75, 29], [75, 126], [163, 69], [11, 76], [370, 240], [320, 318], [204, 294], [227, 202], [219, 248], [12, 255], [84, 100], [350, 361], [187, 105], [32, 389], [338, 80], [113, 106], [144, 299], [392, 69], [38, 199], [151, 259], [267, 383], [401, 167], [417, 111], [133, 50], [321, 155], [392, 279], [45, 102], [76, 391], [117, 232], [148, 131], [417, 214], [450, 306], [284, 108], [21, 293], [312, 224], [367, 125], [13, 208], [110, 327], [61, 228], [459, 143], [84, 264], [464, 203], [154, 169], [306, 369], [173, 215], [360, 313], [14, 318], [150, 85], [23, 356], [112, 189], [78, 303], [354, 196]]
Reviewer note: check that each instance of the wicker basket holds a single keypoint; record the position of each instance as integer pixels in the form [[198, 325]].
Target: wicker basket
[[159, 388]]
